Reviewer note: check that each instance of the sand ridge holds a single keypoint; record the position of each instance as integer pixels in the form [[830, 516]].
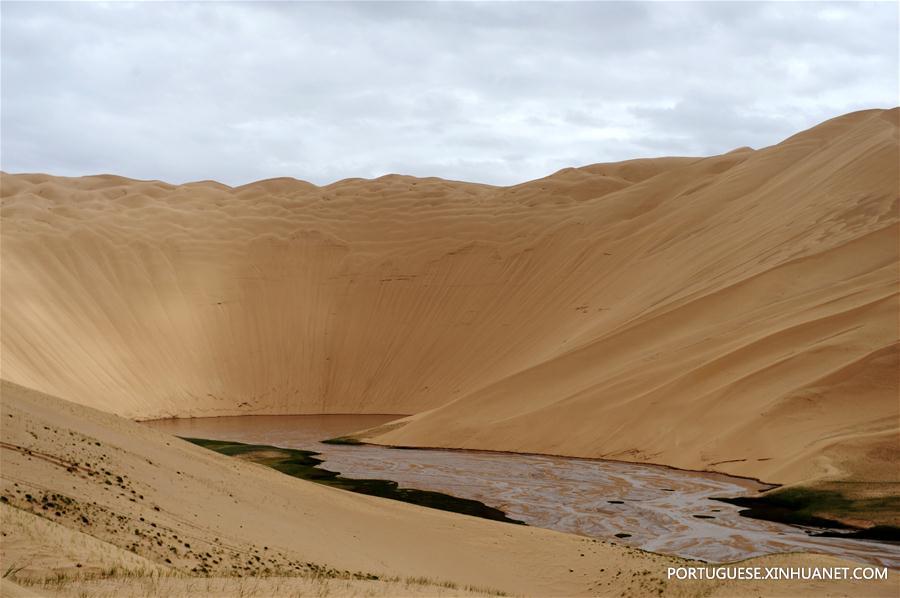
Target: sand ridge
[[706, 313]]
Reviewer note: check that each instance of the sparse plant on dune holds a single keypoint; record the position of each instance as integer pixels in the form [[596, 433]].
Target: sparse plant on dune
[[11, 570]]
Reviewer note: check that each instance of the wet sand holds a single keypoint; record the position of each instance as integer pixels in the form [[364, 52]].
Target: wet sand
[[660, 509]]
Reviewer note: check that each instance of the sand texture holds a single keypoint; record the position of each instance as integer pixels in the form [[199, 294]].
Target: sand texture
[[736, 313], [125, 510]]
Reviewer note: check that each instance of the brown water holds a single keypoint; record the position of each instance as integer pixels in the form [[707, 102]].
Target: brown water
[[663, 510]]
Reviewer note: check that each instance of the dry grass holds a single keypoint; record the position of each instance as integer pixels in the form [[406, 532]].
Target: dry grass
[[128, 583]]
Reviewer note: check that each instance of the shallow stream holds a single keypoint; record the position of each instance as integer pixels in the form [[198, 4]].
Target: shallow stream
[[650, 507]]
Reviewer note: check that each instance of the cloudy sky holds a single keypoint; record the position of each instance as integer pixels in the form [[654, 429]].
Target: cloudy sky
[[491, 92]]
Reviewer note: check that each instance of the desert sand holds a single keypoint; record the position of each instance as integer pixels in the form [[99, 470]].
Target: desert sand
[[98, 504], [737, 313]]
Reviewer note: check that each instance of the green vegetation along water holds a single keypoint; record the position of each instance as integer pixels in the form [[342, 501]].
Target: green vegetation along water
[[305, 465], [823, 509]]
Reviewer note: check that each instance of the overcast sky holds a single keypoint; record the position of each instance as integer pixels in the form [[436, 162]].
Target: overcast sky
[[493, 92]]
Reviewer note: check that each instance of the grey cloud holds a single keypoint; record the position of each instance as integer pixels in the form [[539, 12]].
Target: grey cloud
[[494, 92]]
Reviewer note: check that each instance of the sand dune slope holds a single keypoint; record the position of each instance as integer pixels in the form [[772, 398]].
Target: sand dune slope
[[737, 312], [84, 491], [760, 333]]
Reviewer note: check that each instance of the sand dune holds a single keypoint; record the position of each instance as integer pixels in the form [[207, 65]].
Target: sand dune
[[95, 504], [736, 312]]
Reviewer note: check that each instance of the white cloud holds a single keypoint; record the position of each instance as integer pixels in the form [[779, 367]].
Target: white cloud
[[493, 92]]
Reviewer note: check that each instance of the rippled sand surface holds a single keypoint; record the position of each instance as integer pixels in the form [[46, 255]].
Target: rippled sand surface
[[661, 509], [747, 301]]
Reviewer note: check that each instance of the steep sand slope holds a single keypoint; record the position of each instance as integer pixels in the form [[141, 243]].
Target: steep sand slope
[[390, 295], [118, 492], [737, 312], [761, 336]]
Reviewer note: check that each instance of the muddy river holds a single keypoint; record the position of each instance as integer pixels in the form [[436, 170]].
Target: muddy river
[[655, 508]]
